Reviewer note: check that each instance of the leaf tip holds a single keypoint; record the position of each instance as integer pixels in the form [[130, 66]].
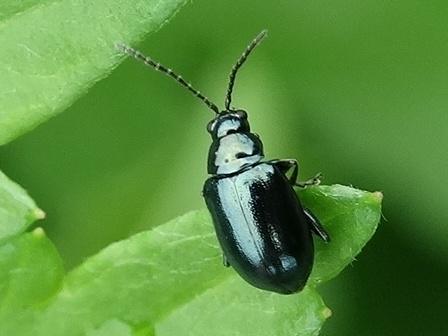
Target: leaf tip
[[378, 195], [326, 313], [39, 213], [38, 233]]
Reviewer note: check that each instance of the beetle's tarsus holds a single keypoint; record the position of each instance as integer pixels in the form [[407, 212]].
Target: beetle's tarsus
[[316, 226], [315, 180]]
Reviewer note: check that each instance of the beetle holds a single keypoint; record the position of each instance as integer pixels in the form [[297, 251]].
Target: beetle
[[263, 230]]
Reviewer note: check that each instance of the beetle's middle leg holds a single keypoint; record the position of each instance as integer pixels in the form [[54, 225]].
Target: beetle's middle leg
[[286, 165]]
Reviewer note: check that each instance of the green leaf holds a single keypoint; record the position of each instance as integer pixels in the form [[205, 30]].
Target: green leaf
[[11, 8], [30, 267], [30, 272], [52, 52], [234, 308], [170, 280], [350, 216], [17, 209]]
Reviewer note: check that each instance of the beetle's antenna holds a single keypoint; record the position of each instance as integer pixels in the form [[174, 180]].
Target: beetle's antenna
[[159, 67], [256, 41]]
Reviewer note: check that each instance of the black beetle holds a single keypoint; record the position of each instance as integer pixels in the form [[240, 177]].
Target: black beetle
[[263, 230]]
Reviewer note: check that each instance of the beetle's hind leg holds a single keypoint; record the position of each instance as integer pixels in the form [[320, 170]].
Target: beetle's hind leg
[[316, 226], [225, 262]]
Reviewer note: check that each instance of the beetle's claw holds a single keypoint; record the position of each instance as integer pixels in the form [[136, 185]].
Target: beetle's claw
[[317, 179]]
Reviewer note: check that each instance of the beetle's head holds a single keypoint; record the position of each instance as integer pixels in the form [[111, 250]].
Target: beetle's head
[[234, 146], [227, 123]]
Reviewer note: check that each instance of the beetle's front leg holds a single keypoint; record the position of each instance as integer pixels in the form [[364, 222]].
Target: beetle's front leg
[[315, 180], [286, 165]]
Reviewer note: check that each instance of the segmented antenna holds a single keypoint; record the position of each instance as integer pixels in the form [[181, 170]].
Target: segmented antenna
[[256, 41], [159, 67]]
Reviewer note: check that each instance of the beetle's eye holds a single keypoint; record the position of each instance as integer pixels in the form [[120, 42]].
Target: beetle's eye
[[242, 114]]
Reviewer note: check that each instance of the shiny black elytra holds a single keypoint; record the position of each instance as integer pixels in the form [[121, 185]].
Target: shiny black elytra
[[263, 230]]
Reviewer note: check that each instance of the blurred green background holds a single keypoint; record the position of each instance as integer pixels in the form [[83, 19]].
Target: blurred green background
[[355, 89]]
